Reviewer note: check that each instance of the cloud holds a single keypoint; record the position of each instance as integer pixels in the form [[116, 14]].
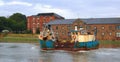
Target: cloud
[[42, 8], [65, 8], [2, 3], [19, 3]]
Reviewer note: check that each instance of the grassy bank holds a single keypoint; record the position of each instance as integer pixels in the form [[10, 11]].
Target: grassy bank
[[20, 38], [110, 42]]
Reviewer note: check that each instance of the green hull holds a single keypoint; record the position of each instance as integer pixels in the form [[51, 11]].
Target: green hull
[[46, 44], [90, 44], [49, 44]]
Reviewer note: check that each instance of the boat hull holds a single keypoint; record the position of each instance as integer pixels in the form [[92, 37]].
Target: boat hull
[[76, 46]]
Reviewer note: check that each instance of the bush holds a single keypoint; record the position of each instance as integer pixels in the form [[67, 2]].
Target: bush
[[5, 32], [28, 32], [38, 31]]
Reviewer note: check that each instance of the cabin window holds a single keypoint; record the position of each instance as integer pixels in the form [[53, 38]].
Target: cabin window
[[118, 27], [81, 28], [75, 27], [118, 34]]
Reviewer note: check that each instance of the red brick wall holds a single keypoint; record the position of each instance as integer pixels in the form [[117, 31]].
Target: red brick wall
[[109, 30], [106, 33], [34, 22]]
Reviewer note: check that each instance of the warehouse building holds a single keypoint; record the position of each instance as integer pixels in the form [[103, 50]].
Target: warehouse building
[[106, 28]]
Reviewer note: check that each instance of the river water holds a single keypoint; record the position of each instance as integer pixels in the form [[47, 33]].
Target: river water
[[23, 52]]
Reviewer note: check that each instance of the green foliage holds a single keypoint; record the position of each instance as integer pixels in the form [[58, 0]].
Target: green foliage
[[38, 31], [15, 23], [18, 17], [28, 32], [5, 32], [4, 24], [19, 22]]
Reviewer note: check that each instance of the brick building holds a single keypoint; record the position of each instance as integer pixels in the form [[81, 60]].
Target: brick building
[[107, 28], [35, 22]]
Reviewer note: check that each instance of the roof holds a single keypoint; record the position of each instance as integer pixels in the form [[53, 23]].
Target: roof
[[50, 14], [88, 21], [62, 21]]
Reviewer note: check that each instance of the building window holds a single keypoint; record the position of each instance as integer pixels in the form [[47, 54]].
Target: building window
[[118, 27], [95, 27], [118, 34], [103, 27], [62, 27], [56, 27], [63, 33], [28, 20], [88, 27], [103, 34], [68, 27], [38, 18], [69, 33], [44, 20], [110, 27], [33, 20], [37, 25], [110, 33], [51, 18], [57, 33], [33, 23]]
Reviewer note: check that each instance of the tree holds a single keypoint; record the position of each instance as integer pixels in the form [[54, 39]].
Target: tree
[[38, 31], [19, 22], [4, 24], [15, 23], [18, 17]]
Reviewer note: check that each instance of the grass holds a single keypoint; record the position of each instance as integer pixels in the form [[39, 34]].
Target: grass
[[110, 42], [20, 38]]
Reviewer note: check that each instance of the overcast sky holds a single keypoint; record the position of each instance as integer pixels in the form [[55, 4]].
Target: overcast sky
[[66, 8]]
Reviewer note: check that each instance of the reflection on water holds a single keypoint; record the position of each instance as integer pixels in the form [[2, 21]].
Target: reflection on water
[[14, 52], [100, 55], [23, 52]]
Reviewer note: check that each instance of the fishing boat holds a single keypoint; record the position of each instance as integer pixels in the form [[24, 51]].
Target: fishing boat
[[80, 40]]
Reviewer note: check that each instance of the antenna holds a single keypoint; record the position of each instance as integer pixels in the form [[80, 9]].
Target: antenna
[[78, 15]]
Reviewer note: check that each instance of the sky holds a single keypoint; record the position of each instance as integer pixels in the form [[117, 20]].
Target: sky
[[69, 9]]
